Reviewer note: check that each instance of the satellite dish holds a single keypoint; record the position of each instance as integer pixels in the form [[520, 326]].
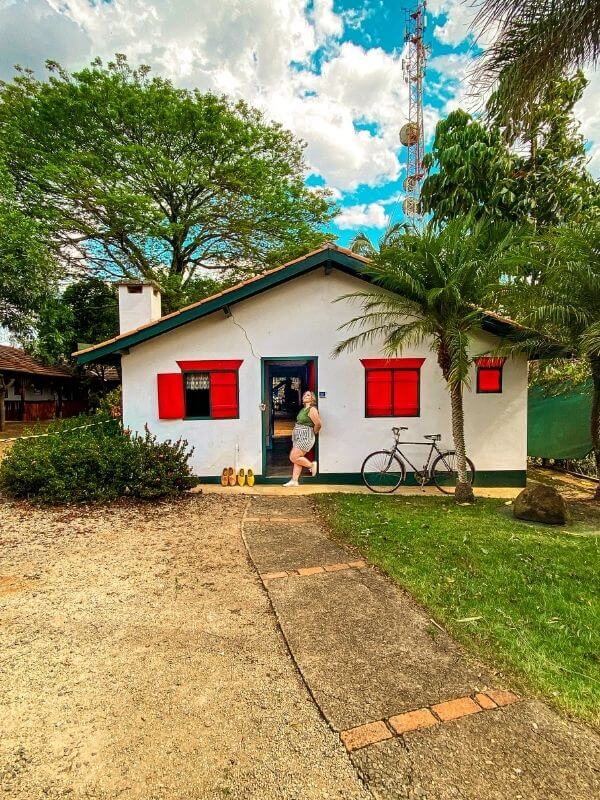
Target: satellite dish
[[409, 134], [411, 207]]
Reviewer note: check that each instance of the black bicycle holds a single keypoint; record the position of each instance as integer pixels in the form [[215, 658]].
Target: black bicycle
[[384, 470]]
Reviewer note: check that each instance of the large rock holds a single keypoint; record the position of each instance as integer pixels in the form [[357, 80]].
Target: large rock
[[541, 503]]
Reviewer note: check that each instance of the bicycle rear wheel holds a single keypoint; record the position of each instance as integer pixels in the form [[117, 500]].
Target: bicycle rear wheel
[[383, 472], [445, 475]]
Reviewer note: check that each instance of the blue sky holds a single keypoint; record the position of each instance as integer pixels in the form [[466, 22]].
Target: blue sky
[[330, 70]]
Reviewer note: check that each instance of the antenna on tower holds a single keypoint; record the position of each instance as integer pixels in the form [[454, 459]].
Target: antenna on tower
[[411, 134]]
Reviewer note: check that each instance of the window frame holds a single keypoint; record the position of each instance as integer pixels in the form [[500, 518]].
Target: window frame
[[392, 365]]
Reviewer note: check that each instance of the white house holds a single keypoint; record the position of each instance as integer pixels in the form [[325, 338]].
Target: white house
[[227, 373]]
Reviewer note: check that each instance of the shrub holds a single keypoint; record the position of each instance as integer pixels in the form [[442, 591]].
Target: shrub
[[98, 462], [111, 403]]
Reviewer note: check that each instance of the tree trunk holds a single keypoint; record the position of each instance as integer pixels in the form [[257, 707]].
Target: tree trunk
[[464, 491], [2, 406], [595, 417]]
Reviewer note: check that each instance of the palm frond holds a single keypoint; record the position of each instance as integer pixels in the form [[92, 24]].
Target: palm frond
[[533, 41], [590, 340]]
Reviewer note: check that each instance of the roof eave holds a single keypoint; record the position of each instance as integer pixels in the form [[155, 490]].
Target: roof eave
[[323, 257], [327, 256]]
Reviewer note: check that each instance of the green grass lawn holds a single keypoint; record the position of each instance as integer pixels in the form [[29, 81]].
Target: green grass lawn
[[524, 597]]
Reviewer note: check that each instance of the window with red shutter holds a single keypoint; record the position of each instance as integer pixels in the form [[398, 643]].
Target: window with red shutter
[[392, 386], [489, 375]]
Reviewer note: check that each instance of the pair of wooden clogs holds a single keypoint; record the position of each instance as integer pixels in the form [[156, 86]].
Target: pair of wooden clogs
[[244, 476]]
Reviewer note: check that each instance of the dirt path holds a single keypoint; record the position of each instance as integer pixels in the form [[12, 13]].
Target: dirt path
[[139, 658]]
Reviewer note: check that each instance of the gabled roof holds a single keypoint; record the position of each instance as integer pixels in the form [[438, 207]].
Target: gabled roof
[[329, 255], [12, 359]]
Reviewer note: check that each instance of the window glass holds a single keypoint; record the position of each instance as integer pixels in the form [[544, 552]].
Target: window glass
[[197, 394]]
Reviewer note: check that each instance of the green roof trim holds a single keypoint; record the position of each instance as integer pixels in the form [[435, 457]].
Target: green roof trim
[[329, 256]]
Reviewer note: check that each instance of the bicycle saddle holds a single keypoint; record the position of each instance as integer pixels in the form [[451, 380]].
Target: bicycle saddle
[[435, 437]]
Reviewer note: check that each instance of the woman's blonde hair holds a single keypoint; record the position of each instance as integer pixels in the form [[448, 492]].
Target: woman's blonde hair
[[313, 397]]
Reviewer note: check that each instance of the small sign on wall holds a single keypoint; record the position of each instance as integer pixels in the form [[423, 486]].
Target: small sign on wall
[[322, 394]]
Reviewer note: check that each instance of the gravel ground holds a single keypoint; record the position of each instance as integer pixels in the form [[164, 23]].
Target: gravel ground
[[139, 659]]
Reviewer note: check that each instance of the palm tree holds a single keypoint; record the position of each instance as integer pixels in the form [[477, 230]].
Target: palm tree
[[535, 42], [564, 303], [431, 287]]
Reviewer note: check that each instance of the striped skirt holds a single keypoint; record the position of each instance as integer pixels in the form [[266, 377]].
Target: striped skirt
[[303, 437]]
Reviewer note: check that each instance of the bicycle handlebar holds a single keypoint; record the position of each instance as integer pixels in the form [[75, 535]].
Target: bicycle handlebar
[[396, 431]]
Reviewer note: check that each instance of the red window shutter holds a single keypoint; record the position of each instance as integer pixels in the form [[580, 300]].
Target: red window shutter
[[170, 396], [406, 393], [312, 377], [379, 392], [224, 395], [489, 379]]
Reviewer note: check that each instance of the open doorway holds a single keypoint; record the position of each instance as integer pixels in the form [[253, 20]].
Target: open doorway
[[284, 382]]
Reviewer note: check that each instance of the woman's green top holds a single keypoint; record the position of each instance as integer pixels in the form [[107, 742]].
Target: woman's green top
[[303, 417]]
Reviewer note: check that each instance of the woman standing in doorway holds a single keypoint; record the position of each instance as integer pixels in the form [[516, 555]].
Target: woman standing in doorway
[[308, 423]]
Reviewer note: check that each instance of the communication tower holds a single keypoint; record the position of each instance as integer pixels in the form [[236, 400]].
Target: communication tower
[[411, 134]]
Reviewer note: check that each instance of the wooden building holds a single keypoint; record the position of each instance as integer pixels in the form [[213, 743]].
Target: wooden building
[[34, 391]]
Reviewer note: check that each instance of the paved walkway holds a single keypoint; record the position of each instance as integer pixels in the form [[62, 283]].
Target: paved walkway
[[418, 718], [308, 488]]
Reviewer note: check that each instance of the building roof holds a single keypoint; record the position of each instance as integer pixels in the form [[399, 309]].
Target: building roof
[[12, 359], [329, 255]]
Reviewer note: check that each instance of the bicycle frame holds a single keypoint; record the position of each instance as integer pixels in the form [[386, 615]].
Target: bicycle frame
[[433, 448]]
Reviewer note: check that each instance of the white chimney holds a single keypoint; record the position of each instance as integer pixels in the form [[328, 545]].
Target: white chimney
[[139, 303]]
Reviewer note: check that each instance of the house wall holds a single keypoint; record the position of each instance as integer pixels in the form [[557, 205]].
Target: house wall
[[300, 318]]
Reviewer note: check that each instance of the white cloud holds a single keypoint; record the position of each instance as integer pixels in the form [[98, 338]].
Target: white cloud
[[454, 70], [251, 49], [457, 26], [245, 49], [459, 16], [588, 111], [364, 215], [327, 23], [32, 31]]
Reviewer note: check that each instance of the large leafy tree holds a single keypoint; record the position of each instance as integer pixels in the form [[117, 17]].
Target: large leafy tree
[[86, 312], [27, 270], [535, 43], [471, 171], [137, 178], [566, 304], [430, 288], [551, 168], [530, 171]]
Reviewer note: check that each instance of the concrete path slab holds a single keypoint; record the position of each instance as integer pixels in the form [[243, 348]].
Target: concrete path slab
[[522, 752], [284, 546], [365, 649], [368, 652]]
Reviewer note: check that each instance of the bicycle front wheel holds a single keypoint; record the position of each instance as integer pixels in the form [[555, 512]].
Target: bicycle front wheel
[[383, 472], [445, 474]]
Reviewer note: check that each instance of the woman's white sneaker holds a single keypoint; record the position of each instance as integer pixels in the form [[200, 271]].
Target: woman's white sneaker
[[291, 483], [313, 468]]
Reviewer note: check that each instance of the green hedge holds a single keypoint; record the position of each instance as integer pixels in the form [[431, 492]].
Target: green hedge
[[100, 462]]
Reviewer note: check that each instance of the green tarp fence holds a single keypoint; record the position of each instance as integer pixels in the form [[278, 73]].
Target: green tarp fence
[[558, 426]]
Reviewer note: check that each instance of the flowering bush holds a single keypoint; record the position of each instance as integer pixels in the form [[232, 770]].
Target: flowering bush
[[93, 459]]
